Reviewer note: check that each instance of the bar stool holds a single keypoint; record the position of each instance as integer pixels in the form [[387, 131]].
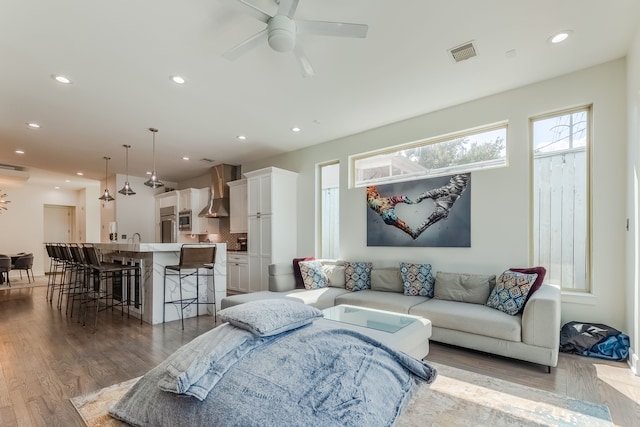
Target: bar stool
[[99, 290], [193, 258]]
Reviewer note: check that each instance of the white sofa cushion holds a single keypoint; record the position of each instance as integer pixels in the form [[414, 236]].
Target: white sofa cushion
[[389, 301], [472, 318], [473, 288], [386, 279]]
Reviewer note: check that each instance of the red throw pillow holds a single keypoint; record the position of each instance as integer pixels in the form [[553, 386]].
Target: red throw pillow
[[296, 271], [540, 271]]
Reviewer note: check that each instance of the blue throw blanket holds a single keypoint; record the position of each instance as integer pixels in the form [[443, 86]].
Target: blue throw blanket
[[303, 377]]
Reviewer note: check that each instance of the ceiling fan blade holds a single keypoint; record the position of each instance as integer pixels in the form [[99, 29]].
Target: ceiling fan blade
[[338, 29], [252, 10], [287, 7], [303, 62], [245, 46]]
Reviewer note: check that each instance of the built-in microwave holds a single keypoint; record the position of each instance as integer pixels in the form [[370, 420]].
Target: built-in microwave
[[184, 221]]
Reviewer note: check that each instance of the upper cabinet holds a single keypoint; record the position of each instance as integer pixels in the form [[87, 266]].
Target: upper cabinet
[[238, 206], [259, 191]]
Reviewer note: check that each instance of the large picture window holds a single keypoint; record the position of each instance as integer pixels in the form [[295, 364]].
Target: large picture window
[[561, 197], [330, 210], [466, 151]]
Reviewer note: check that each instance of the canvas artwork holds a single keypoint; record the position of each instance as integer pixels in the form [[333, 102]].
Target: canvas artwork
[[428, 212]]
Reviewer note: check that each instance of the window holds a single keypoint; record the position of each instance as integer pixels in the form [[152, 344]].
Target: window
[[461, 152], [561, 197], [330, 210]]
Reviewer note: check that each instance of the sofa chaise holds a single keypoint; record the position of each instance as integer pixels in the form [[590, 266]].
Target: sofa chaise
[[457, 310]]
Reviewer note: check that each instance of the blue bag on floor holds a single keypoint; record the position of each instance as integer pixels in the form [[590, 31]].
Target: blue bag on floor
[[594, 340]]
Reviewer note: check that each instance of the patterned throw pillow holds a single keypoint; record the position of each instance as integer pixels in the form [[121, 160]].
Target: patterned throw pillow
[[313, 275], [417, 279], [510, 292], [357, 275]]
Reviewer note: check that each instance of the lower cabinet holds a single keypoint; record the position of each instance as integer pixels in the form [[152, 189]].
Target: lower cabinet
[[237, 272]]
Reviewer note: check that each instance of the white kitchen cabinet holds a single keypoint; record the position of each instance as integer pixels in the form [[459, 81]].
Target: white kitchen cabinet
[[238, 206], [271, 222], [238, 272]]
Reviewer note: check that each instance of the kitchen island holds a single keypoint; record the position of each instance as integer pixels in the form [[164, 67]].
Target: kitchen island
[[152, 258]]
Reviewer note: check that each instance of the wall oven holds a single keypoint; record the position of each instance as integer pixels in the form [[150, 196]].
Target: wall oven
[[184, 220], [168, 224]]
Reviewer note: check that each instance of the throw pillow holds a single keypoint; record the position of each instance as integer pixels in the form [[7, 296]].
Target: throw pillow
[[386, 280], [540, 271], [269, 317], [357, 275], [296, 271], [417, 279], [471, 288], [510, 292], [335, 274], [313, 275]]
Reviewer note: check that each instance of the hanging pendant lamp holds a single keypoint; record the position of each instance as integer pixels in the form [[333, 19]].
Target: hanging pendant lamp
[[106, 196], [126, 190], [154, 182]]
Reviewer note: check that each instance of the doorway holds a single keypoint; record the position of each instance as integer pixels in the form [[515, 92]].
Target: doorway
[[59, 226]]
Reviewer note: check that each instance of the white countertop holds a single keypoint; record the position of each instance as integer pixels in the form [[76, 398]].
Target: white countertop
[[147, 247]]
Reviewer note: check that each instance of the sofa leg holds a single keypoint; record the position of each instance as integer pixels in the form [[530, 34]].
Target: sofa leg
[[548, 369]]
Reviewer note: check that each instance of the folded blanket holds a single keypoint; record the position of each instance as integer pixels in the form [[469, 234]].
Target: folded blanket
[[217, 349]]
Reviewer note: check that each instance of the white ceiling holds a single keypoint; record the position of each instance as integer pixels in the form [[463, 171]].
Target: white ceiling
[[121, 53]]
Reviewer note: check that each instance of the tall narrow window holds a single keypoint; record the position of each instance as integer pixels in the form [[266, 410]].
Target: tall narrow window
[[561, 197], [330, 210]]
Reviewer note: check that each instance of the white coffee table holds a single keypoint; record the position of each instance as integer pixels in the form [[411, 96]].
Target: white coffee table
[[403, 332]]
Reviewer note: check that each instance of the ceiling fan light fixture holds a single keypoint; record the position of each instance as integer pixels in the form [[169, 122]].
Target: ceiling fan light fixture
[[281, 33]]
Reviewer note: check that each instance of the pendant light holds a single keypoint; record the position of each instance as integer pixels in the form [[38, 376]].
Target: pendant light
[[106, 196], [154, 182], [126, 190]]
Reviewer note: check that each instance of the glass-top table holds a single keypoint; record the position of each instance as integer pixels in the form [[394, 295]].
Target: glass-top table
[[403, 332], [380, 320]]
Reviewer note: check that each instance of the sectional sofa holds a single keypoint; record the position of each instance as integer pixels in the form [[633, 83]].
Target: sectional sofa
[[457, 310]]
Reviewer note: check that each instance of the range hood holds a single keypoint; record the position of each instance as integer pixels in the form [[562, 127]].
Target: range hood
[[218, 204]]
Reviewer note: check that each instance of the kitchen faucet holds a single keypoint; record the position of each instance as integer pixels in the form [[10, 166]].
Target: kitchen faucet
[[133, 239]]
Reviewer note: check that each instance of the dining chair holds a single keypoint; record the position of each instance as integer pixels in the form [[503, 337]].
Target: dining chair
[[24, 263], [5, 267]]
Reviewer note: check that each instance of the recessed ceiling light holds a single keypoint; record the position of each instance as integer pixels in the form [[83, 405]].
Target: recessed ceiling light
[[61, 79], [33, 125], [241, 137], [185, 158], [295, 129], [179, 80], [56, 188], [148, 173], [79, 173], [560, 36], [67, 180], [19, 152]]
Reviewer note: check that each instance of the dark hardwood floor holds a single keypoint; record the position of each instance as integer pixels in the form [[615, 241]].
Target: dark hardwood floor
[[47, 357]]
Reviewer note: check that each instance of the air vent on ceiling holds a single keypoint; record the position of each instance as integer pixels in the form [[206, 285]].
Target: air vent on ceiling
[[10, 174], [204, 159], [463, 52]]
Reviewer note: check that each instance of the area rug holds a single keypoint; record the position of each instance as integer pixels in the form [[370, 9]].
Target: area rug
[[455, 398]]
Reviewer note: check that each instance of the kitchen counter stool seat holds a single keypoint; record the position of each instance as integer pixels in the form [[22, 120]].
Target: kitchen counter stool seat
[[99, 291], [193, 259]]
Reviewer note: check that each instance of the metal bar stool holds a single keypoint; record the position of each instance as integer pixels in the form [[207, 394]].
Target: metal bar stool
[[193, 259], [99, 291]]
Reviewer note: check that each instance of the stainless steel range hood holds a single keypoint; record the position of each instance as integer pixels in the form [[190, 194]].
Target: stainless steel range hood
[[218, 204]]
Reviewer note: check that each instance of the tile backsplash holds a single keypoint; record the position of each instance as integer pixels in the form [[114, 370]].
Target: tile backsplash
[[223, 236]]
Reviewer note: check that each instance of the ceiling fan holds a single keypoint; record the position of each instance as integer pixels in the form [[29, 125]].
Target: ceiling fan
[[281, 32]]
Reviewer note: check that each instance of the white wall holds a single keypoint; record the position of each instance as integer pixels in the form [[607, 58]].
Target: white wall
[[500, 198], [136, 213], [633, 202], [22, 224]]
